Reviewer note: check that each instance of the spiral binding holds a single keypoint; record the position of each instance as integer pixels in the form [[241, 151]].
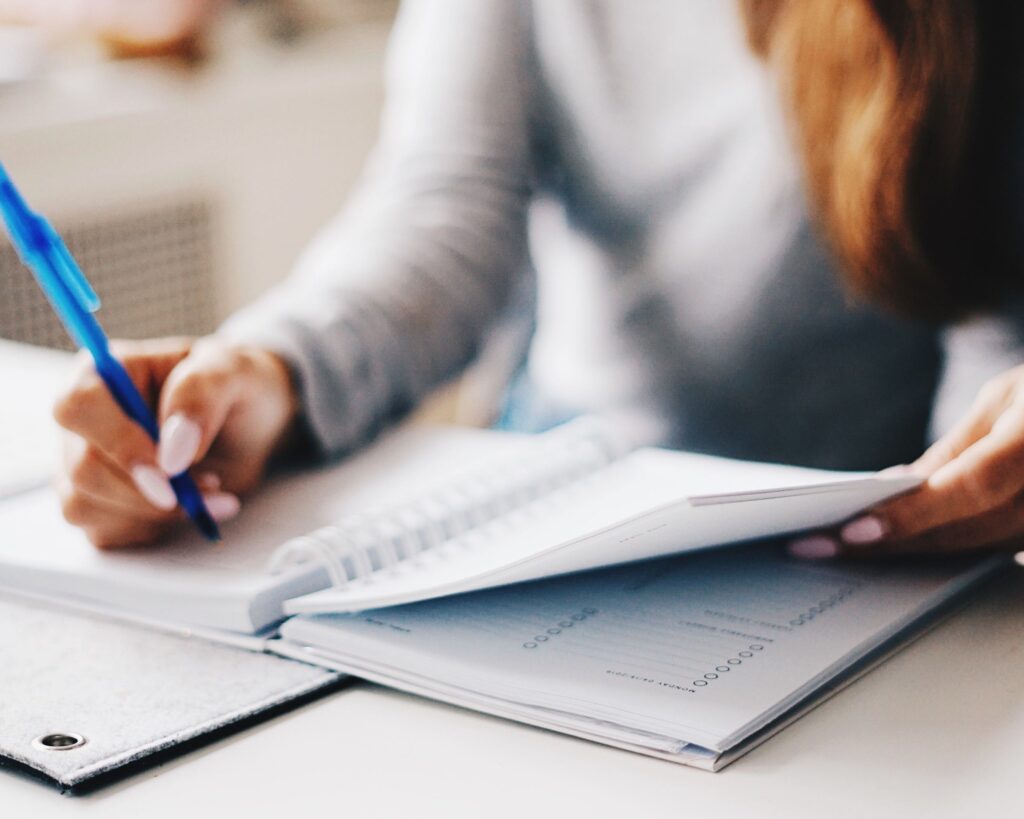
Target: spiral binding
[[359, 545]]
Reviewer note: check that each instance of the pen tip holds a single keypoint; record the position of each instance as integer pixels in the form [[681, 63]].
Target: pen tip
[[208, 526]]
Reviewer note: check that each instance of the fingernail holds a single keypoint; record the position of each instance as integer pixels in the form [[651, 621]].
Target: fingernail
[[209, 481], [816, 547], [179, 443], [154, 486], [868, 529], [222, 505]]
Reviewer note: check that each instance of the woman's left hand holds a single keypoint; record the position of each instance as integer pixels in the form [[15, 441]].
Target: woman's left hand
[[972, 497]]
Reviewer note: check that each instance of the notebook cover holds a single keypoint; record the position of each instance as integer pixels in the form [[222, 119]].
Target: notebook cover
[[135, 695]]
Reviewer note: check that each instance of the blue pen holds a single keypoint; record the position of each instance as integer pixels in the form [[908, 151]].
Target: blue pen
[[64, 284]]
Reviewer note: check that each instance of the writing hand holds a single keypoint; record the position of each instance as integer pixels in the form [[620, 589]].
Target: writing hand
[[222, 410]]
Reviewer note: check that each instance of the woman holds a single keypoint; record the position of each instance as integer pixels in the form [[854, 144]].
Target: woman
[[778, 233]]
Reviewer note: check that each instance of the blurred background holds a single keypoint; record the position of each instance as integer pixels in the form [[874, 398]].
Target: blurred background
[[186, 149]]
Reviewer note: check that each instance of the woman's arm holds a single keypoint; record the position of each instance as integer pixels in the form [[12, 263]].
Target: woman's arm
[[396, 294], [391, 298]]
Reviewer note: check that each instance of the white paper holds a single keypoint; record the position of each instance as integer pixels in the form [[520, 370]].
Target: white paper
[[704, 649], [28, 434], [649, 503]]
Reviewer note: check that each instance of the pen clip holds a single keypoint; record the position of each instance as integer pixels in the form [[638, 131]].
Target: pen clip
[[68, 270]]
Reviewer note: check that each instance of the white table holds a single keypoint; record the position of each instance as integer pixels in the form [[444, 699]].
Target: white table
[[938, 730]]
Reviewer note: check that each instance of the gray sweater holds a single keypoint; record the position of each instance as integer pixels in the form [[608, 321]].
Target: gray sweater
[[618, 175]]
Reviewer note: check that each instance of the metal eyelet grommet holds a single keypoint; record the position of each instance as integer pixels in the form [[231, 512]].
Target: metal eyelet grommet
[[58, 742]]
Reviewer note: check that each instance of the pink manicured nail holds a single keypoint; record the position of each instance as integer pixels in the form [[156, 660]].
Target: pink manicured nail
[[209, 481], [179, 443], [222, 505], [816, 547], [154, 487], [868, 529]]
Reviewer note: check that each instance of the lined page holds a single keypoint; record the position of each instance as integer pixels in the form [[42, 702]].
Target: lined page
[[703, 648]]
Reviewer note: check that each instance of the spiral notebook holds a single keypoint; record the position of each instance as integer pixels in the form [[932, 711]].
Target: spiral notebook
[[425, 513]]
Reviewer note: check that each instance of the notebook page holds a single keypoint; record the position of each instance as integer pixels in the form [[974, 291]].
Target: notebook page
[[186, 579], [703, 648], [28, 433], [637, 507]]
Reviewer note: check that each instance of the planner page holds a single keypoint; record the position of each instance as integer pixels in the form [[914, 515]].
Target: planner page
[[649, 503], [702, 649], [186, 579]]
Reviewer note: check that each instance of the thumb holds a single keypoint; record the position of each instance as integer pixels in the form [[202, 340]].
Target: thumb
[[194, 403]]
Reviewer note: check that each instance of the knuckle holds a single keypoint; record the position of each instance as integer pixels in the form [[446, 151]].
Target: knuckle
[[65, 409], [197, 386], [984, 487], [130, 446], [215, 378], [82, 467], [119, 535], [245, 366], [899, 525], [246, 362], [75, 508], [906, 518], [103, 539], [78, 404]]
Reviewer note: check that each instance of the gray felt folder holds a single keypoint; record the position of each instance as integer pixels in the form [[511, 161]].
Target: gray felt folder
[[83, 697]]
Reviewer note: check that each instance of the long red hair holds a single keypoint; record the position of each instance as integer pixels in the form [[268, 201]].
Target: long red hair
[[897, 120]]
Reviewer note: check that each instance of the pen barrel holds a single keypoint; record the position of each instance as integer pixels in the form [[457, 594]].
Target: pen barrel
[[126, 394], [131, 402]]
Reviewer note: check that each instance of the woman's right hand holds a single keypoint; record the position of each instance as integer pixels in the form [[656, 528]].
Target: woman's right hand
[[223, 411]]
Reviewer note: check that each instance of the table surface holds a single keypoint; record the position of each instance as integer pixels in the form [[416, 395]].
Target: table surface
[[937, 730]]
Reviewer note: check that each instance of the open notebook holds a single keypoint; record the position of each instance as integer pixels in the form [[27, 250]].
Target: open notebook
[[427, 513], [693, 659]]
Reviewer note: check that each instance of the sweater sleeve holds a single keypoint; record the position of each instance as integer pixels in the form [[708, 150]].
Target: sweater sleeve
[[975, 352], [397, 293]]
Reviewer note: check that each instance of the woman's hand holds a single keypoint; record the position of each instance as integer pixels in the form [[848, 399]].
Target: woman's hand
[[223, 411], [972, 497]]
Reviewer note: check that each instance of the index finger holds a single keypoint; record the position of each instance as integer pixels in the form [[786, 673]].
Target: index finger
[[90, 411]]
